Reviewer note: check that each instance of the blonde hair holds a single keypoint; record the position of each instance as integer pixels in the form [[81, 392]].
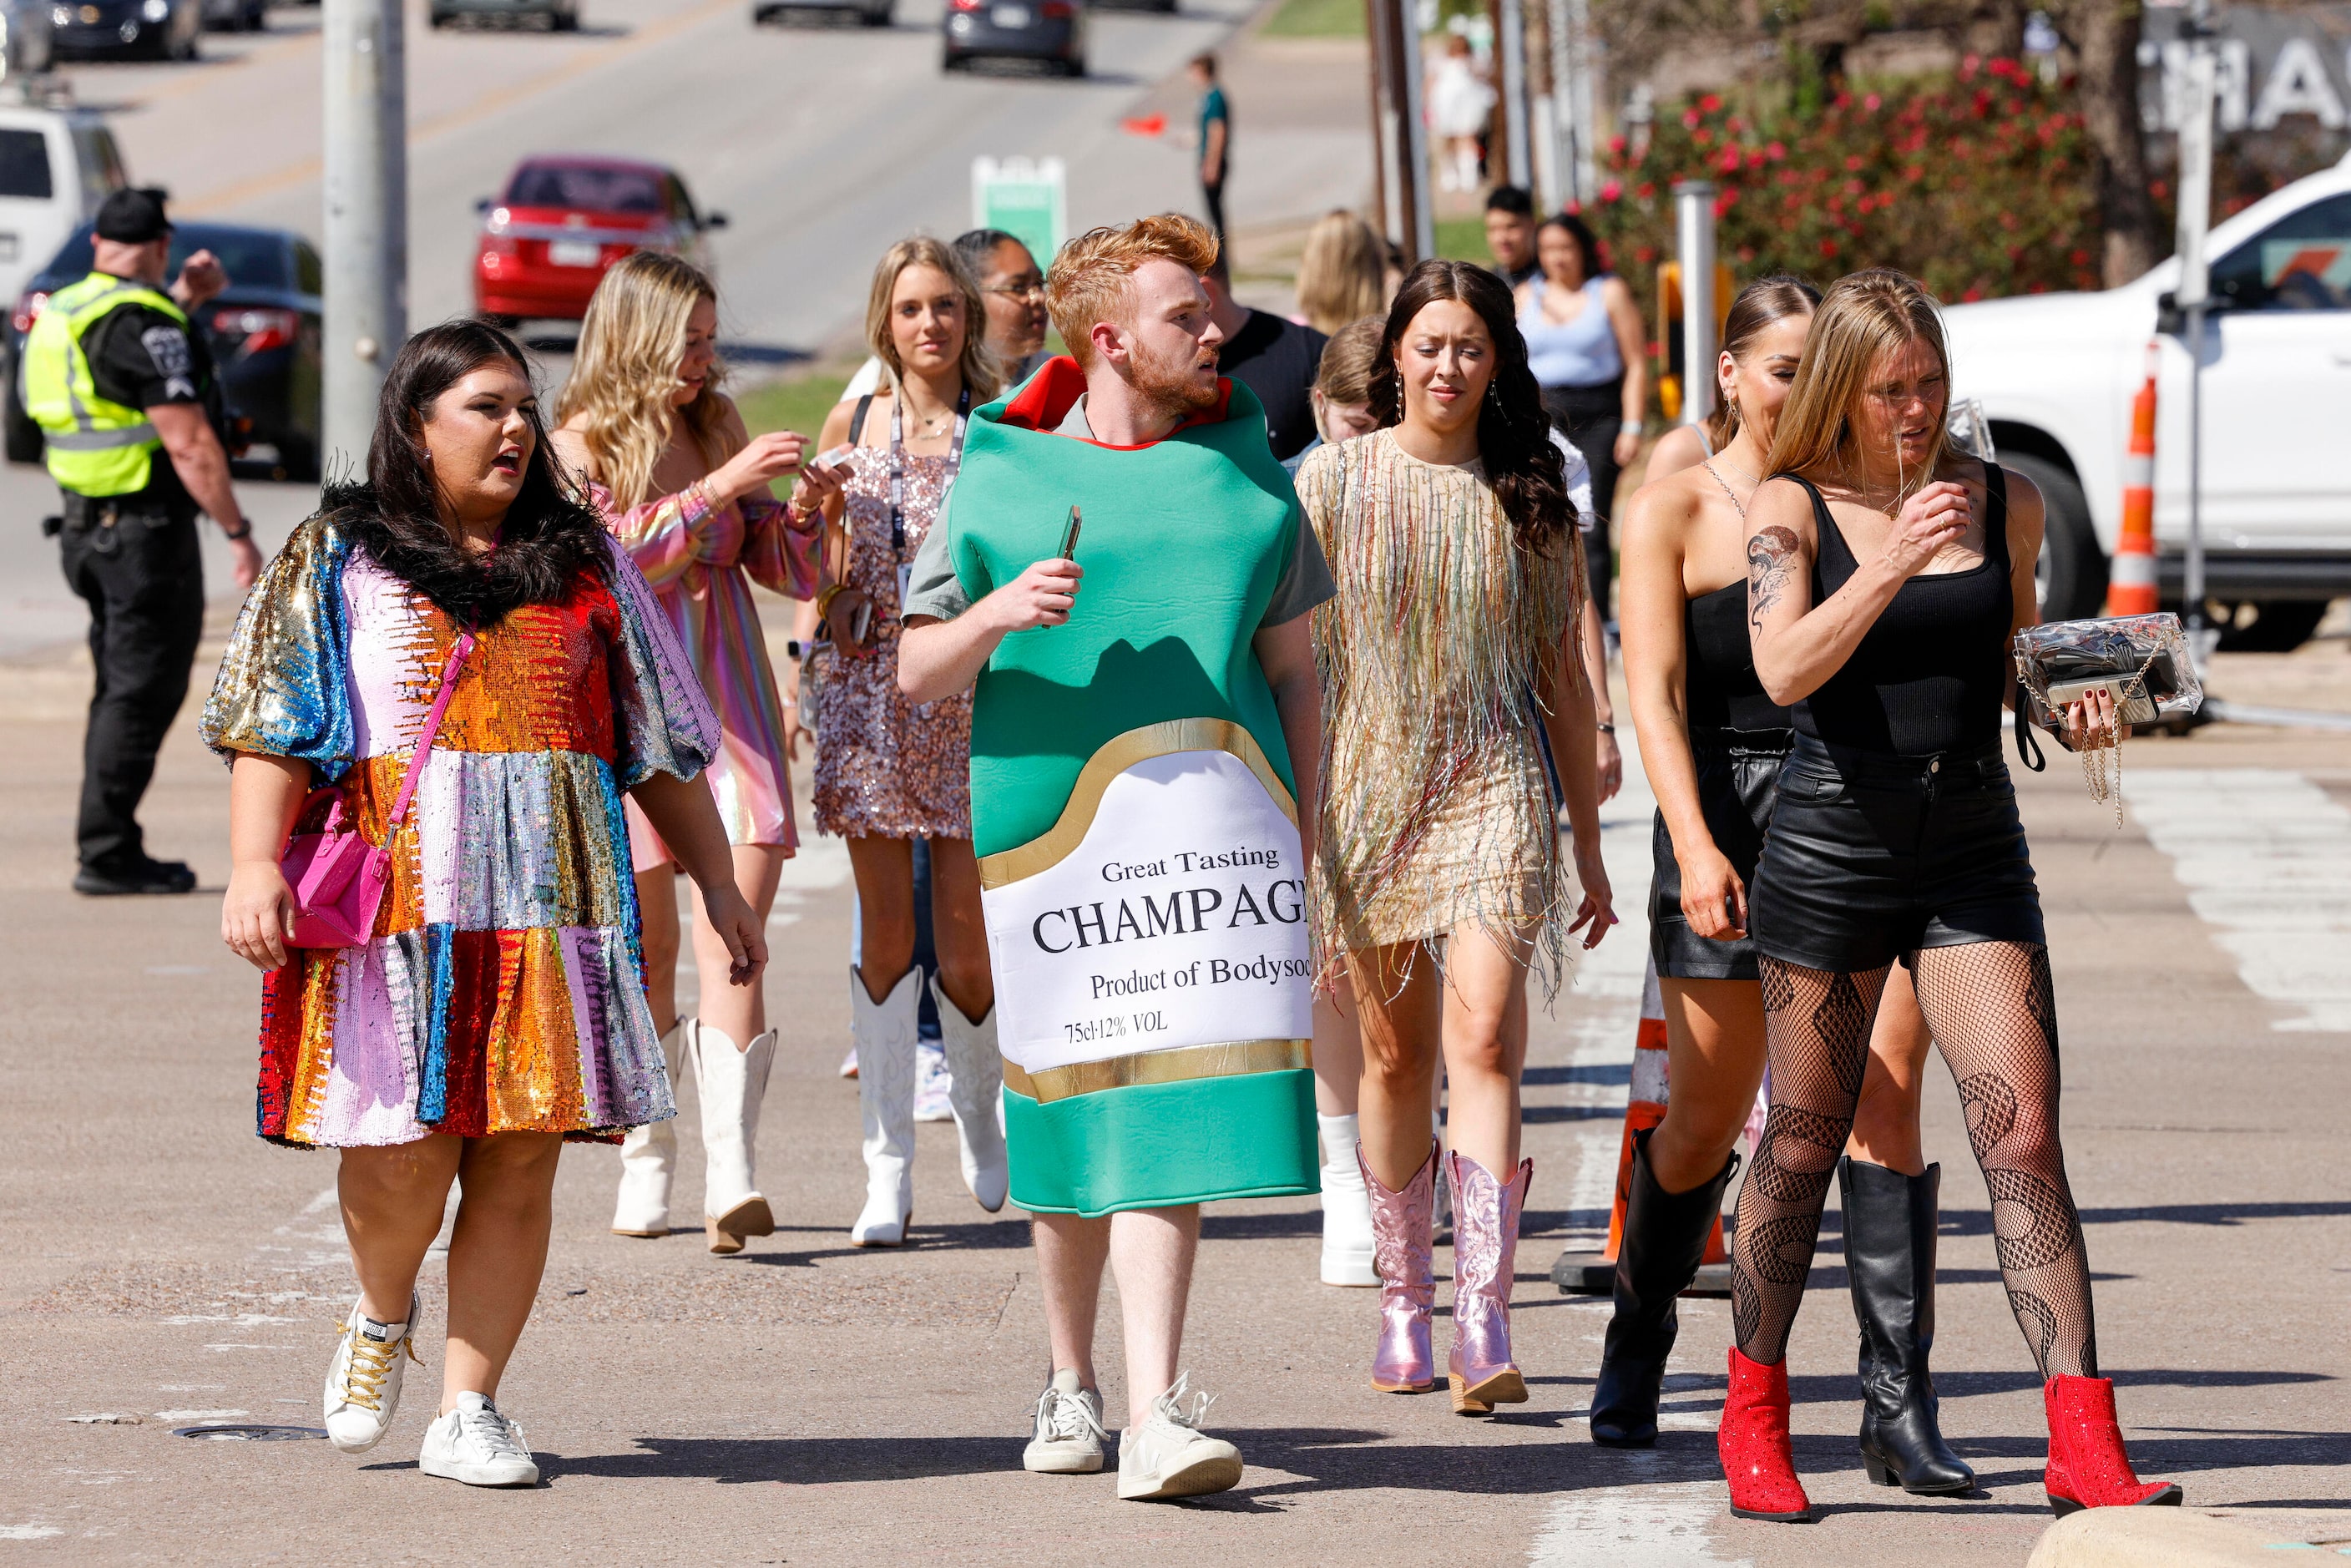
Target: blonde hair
[[981, 375], [1761, 304], [629, 345], [1346, 375], [1088, 283], [1343, 273], [1864, 317]]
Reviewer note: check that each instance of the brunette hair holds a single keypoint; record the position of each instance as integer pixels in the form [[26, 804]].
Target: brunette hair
[[630, 346], [1343, 273], [980, 375], [1345, 373], [1764, 303], [550, 536], [1587, 244], [1864, 317], [1088, 283], [1528, 476]]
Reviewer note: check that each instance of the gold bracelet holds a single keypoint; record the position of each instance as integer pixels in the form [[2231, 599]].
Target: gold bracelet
[[826, 595]]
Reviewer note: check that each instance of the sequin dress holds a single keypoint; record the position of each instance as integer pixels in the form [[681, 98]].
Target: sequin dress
[[887, 768], [700, 561], [504, 989], [1437, 806]]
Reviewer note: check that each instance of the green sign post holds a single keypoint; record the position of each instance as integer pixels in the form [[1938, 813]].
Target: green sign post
[[1023, 196]]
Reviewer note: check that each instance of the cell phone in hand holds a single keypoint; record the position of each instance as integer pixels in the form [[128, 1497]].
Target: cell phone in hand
[[1069, 535], [834, 457]]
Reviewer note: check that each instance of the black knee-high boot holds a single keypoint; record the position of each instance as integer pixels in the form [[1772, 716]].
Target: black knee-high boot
[[1889, 1251], [1664, 1243]]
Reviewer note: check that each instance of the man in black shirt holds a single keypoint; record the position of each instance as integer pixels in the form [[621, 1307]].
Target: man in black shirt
[[124, 384], [1273, 358], [1510, 233]]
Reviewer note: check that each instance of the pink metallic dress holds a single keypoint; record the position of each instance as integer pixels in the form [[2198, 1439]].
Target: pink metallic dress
[[701, 561]]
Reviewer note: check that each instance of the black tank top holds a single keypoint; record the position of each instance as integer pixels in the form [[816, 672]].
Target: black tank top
[[1928, 673], [1720, 664]]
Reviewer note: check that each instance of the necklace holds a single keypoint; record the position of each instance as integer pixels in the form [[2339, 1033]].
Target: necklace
[[1736, 503]]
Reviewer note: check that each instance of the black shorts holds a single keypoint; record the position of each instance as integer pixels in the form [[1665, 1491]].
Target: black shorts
[[1872, 857], [1738, 776]]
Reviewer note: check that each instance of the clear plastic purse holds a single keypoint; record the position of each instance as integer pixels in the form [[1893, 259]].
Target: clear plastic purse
[[2141, 662]]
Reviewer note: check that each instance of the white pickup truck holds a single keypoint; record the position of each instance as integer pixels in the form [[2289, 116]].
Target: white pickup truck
[[2056, 374]]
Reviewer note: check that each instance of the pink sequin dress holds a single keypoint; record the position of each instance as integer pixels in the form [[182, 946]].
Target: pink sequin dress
[[700, 561], [887, 768]]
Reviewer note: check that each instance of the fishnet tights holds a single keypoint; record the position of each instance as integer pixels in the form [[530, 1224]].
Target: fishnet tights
[[1992, 1013]]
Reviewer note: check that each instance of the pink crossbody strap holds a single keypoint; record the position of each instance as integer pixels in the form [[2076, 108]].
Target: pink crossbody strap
[[424, 736]]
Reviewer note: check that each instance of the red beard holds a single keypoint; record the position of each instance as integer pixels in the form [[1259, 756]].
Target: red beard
[[1167, 385]]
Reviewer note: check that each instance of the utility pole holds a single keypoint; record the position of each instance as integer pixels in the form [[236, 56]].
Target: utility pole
[[1512, 45], [1694, 217], [1399, 136], [367, 218], [2194, 295]]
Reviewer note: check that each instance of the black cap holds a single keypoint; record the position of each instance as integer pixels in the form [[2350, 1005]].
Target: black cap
[[133, 217]]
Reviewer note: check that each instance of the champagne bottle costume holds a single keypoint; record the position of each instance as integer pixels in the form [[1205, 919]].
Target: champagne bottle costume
[[1132, 806]]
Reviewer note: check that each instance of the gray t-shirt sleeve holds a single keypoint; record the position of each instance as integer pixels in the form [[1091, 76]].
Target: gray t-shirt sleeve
[[933, 587], [1305, 582]]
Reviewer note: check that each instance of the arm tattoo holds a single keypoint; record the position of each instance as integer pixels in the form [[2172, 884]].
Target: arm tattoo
[[1771, 555]]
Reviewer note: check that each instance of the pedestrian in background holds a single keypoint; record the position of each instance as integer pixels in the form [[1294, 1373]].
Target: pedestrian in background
[[1215, 146], [1343, 273], [1460, 108], [663, 457], [461, 636], [1342, 394], [1588, 347], [1274, 358], [1510, 233], [1454, 681], [115, 378], [890, 770], [1014, 288]]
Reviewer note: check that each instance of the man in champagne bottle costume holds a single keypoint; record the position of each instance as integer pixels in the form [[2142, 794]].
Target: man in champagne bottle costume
[[1140, 751]]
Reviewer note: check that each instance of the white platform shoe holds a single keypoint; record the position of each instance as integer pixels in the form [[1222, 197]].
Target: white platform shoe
[[885, 1032], [648, 1161], [1346, 1206], [976, 1091], [732, 1084]]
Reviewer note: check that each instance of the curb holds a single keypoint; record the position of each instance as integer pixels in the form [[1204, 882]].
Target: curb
[[2157, 1538]]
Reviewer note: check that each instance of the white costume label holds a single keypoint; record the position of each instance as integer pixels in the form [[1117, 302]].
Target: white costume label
[[1178, 920]]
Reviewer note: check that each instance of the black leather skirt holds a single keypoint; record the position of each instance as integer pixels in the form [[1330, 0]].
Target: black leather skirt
[[1737, 777], [1871, 857]]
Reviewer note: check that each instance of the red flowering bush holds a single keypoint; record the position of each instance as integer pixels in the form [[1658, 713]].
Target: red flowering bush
[[1977, 183]]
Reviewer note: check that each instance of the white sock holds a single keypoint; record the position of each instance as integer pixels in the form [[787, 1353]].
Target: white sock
[[1340, 1135]]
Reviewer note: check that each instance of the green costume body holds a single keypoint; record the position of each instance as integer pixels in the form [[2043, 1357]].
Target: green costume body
[[1183, 544]]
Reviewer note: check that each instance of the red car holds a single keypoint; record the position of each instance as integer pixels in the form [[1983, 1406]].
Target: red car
[[560, 221]]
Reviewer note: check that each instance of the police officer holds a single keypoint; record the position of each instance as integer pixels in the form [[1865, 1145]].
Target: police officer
[[114, 374]]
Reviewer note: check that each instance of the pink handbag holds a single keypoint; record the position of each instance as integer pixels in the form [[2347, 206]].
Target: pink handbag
[[338, 877]]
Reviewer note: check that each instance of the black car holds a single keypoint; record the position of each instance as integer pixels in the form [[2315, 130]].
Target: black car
[[1050, 31], [150, 30], [264, 331]]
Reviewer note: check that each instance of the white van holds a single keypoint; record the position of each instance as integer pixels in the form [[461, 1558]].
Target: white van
[[56, 163]]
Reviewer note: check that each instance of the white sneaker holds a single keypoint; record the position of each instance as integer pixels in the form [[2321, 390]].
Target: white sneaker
[[1168, 1456], [1069, 1430], [931, 1083], [848, 1063], [476, 1445], [363, 1380]]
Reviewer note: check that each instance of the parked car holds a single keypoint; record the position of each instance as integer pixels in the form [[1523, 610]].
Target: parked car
[[1050, 31], [868, 12], [2056, 373], [558, 15], [56, 163], [28, 38], [560, 221], [236, 16], [145, 29], [263, 330]]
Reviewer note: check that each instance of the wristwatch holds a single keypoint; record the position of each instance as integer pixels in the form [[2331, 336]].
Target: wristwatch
[[244, 531]]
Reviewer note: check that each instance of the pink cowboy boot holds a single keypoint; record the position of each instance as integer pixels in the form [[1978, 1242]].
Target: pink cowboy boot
[[1404, 1362], [1485, 1253]]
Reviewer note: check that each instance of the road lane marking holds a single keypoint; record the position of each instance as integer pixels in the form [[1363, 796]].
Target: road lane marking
[[2265, 856]]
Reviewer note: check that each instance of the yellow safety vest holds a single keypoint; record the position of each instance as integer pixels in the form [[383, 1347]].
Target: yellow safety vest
[[94, 447]]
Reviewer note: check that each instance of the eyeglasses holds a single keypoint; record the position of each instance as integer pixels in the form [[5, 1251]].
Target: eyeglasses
[[1027, 293]]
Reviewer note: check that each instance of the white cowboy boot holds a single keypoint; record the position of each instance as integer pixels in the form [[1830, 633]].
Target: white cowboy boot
[[884, 1032], [733, 1084], [1346, 1206], [648, 1160], [975, 1090]]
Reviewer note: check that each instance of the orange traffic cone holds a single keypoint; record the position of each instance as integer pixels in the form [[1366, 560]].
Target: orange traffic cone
[[2131, 584], [1594, 1273]]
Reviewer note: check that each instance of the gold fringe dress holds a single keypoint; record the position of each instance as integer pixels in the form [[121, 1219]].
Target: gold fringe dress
[[1437, 809]]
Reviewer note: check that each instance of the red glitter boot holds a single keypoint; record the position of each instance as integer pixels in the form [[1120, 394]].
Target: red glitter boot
[[1753, 1443], [2087, 1466]]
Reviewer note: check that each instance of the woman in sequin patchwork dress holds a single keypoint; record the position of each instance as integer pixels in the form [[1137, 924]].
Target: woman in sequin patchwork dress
[[889, 771], [681, 484], [499, 1007]]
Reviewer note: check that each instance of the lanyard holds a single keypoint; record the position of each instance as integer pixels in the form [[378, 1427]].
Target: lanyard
[[898, 463]]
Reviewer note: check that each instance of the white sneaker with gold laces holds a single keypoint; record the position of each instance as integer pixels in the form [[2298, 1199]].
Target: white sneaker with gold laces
[[363, 1380], [1169, 1456], [477, 1445]]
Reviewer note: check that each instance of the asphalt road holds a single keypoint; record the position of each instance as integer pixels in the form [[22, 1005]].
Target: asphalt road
[[808, 1402]]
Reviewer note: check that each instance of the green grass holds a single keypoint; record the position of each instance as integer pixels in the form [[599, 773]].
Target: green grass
[[797, 403], [1463, 239], [1316, 19]]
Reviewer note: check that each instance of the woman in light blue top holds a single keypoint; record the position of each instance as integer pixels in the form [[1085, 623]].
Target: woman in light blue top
[[1585, 345]]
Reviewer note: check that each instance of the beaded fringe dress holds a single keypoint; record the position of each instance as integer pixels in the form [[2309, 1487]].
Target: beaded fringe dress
[[1437, 811], [503, 990]]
